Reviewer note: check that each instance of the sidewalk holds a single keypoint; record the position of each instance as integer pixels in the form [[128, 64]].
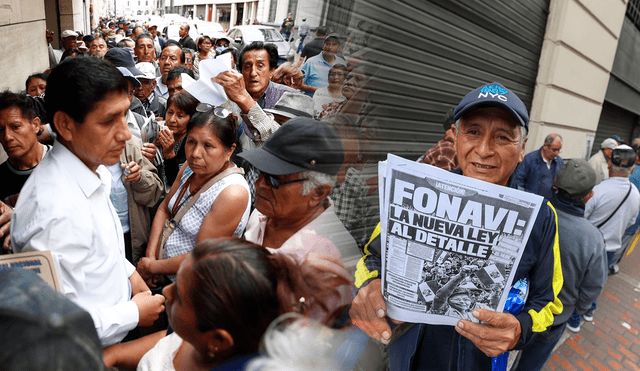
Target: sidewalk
[[611, 341]]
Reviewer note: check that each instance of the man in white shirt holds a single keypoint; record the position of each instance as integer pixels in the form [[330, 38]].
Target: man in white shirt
[[66, 207]]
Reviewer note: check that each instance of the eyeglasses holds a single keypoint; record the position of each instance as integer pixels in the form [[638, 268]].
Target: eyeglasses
[[274, 183], [220, 112], [188, 60]]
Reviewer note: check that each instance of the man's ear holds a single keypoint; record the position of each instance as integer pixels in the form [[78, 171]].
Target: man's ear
[[65, 125], [320, 193], [36, 124], [524, 143]]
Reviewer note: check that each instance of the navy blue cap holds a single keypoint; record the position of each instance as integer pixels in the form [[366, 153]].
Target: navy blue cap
[[300, 144], [494, 95], [616, 138]]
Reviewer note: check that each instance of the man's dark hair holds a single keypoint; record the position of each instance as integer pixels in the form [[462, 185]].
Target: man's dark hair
[[176, 71], [143, 36], [77, 85], [43, 76], [321, 31], [24, 103], [175, 43], [189, 51], [271, 49]]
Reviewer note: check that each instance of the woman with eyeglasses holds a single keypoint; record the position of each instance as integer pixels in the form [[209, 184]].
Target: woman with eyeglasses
[[204, 48], [332, 93], [226, 294], [221, 210]]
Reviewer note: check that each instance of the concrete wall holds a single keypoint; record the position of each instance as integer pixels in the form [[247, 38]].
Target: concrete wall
[[576, 60], [23, 47]]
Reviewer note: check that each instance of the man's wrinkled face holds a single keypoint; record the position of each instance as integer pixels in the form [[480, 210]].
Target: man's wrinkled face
[[174, 86], [286, 203], [551, 151], [144, 50], [489, 145], [18, 134], [101, 138], [330, 47], [98, 48], [145, 90], [169, 58], [69, 43], [256, 71]]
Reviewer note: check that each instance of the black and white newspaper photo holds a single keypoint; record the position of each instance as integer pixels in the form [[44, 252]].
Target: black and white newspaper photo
[[450, 242]]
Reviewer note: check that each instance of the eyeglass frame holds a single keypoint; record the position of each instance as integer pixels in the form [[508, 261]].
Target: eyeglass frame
[[219, 112], [274, 183]]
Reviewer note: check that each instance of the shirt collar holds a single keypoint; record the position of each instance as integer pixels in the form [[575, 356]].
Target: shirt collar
[[78, 171]]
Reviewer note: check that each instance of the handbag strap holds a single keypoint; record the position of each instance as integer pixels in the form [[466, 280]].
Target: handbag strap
[[614, 211], [214, 180]]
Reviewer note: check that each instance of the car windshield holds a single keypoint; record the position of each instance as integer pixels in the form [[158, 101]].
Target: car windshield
[[270, 35]]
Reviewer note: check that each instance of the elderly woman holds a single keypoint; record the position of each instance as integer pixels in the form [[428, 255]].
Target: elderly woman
[[204, 48], [294, 214], [226, 294], [332, 93], [354, 90], [180, 108], [222, 210]]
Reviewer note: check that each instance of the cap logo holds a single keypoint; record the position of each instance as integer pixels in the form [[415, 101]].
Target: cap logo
[[494, 91]]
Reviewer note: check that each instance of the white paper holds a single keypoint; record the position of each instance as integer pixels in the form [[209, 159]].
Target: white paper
[[450, 243], [205, 90]]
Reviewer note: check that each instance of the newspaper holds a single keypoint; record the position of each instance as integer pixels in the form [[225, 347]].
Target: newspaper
[[449, 243]]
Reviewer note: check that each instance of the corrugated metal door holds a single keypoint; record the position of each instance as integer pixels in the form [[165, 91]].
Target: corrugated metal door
[[614, 121], [431, 53]]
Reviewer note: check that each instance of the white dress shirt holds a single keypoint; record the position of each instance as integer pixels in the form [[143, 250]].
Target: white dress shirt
[[65, 208]]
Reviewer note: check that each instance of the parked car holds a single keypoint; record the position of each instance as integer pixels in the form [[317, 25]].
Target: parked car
[[211, 29], [172, 32], [245, 35], [172, 18]]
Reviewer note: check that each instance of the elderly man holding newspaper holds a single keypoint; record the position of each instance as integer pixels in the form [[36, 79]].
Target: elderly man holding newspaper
[[491, 127]]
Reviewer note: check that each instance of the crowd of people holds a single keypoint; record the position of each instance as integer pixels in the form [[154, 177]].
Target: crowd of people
[[199, 225]]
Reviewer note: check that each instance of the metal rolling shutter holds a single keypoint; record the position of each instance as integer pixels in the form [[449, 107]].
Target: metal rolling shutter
[[615, 120], [431, 53]]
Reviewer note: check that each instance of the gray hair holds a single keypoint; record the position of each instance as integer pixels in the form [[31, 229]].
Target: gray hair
[[622, 171], [551, 138], [523, 131], [315, 180]]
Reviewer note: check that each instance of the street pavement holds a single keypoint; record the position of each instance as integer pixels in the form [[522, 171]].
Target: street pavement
[[610, 341]]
